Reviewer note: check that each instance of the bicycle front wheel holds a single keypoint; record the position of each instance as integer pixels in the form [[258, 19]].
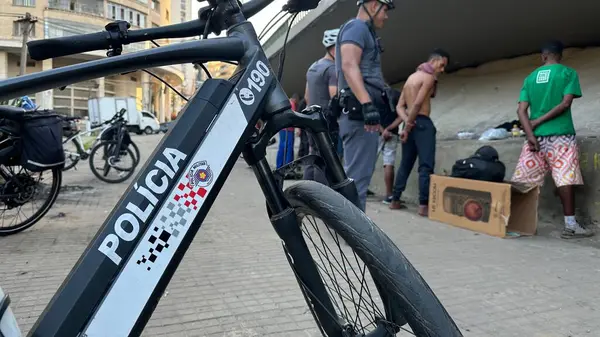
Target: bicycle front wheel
[[136, 152], [337, 227], [106, 159]]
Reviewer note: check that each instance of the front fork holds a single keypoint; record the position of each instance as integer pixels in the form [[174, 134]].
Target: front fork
[[282, 215]]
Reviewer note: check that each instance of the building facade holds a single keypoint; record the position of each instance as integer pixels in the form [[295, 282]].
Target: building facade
[[57, 18]]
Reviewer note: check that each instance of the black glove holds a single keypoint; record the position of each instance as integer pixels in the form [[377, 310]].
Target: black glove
[[370, 114]]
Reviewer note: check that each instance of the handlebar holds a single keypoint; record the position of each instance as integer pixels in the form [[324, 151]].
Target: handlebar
[[118, 33], [69, 118], [118, 116]]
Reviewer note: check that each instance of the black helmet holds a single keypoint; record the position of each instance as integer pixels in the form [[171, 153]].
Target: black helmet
[[487, 152]]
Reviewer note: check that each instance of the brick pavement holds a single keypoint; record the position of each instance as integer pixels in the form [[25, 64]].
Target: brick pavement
[[235, 281]]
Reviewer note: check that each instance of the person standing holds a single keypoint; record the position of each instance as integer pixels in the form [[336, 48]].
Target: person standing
[[418, 135], [388, 143], [548, 92], [321, 87], [361, 85]]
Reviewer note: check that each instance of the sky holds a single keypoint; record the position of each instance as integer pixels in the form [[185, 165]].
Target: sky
[[259, 20]]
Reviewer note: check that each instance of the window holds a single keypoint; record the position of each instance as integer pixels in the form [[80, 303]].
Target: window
[[113, 11], [18, 29], [122, 17], [138, 21], [130, 16], [24, 3], [146, 114]]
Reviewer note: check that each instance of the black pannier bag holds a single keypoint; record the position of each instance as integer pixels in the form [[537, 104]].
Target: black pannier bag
[[41, 142], [483, 165]]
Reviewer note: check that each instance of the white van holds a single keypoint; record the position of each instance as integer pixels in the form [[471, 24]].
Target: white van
[[148, 124], [104, 108]]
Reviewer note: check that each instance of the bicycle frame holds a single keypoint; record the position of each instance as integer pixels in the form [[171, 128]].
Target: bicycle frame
[[120, 277], [79, 142]]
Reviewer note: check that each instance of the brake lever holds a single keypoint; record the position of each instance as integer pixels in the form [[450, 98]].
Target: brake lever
[[297, 6]]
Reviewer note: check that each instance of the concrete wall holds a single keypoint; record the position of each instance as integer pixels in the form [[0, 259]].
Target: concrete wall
[[486, 96], [480, 98]]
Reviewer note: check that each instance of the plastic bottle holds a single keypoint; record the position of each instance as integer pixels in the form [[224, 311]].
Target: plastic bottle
[[515, 131]]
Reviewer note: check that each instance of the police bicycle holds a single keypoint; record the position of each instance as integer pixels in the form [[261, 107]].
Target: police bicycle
[[116, 284]]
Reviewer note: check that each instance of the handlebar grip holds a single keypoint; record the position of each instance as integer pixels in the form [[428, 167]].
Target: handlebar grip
[[62, 46]]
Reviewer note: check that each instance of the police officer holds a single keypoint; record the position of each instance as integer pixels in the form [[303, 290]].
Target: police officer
[[361, 85], [321, 86]]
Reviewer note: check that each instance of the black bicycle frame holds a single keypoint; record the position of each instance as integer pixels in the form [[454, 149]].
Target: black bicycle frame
[[120, 277]]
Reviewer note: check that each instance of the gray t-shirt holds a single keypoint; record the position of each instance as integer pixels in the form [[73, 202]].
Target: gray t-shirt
[[358, 32], [319, 77]]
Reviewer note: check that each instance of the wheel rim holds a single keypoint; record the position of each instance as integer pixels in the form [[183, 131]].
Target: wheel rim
[[360, 307]]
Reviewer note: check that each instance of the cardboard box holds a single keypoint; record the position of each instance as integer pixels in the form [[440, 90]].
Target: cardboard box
[[500, 209]]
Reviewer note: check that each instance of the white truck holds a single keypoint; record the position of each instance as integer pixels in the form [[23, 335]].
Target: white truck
[[104, 108]]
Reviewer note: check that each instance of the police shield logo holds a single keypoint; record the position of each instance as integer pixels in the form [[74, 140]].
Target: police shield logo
[[200, 174]]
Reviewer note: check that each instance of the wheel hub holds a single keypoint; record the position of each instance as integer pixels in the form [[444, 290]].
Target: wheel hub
[[20, 189]]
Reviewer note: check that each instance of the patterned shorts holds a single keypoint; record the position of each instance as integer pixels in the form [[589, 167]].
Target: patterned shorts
[[558, 154]]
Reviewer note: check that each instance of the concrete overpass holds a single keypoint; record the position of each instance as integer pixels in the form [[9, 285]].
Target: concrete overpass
[[486, 38], [472, 31]]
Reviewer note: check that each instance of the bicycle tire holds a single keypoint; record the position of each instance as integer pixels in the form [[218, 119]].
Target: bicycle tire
[[100, 176], [72, 162], [54, 192], [423, 311], [136, 152]]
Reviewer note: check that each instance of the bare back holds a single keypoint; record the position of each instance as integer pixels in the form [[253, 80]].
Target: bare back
[[411, 89]]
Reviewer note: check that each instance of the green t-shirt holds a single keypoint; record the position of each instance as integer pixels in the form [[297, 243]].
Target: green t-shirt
[[544, 89]]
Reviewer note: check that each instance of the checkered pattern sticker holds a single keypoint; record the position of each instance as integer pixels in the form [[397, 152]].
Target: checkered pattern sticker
[[177, 216]]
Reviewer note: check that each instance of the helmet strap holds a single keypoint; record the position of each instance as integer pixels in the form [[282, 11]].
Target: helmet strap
[[371, 24], [330, 54], [369, 14]]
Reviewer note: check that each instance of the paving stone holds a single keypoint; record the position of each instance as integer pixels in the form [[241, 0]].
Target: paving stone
[[235, 281]]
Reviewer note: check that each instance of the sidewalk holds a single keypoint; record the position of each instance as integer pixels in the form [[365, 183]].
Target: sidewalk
[[235, 280]]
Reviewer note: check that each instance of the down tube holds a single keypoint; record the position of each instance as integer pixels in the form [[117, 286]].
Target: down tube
[[82, 291], [133, 296]]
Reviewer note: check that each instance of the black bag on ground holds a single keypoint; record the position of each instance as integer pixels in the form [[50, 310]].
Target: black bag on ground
[[41, 142], [483, 165]]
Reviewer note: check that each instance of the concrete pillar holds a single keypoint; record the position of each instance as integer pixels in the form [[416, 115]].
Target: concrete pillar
[[3, 65], [45, 99], [100, 87], [163, 101], [72, 91], [146, 95]]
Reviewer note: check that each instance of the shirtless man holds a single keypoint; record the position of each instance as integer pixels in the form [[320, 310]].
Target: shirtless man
[[418, 135]]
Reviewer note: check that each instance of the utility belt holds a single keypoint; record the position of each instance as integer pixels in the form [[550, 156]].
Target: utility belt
[[345, 102]]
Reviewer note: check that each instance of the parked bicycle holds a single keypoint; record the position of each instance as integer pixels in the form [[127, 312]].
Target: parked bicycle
[[103, 159], [75, 147], [31, 159], [117, 283]]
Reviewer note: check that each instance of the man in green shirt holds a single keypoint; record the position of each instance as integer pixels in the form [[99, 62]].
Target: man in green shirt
[[548, 93]]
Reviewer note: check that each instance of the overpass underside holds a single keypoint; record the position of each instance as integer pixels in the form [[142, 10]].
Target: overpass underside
[[472, 31]]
